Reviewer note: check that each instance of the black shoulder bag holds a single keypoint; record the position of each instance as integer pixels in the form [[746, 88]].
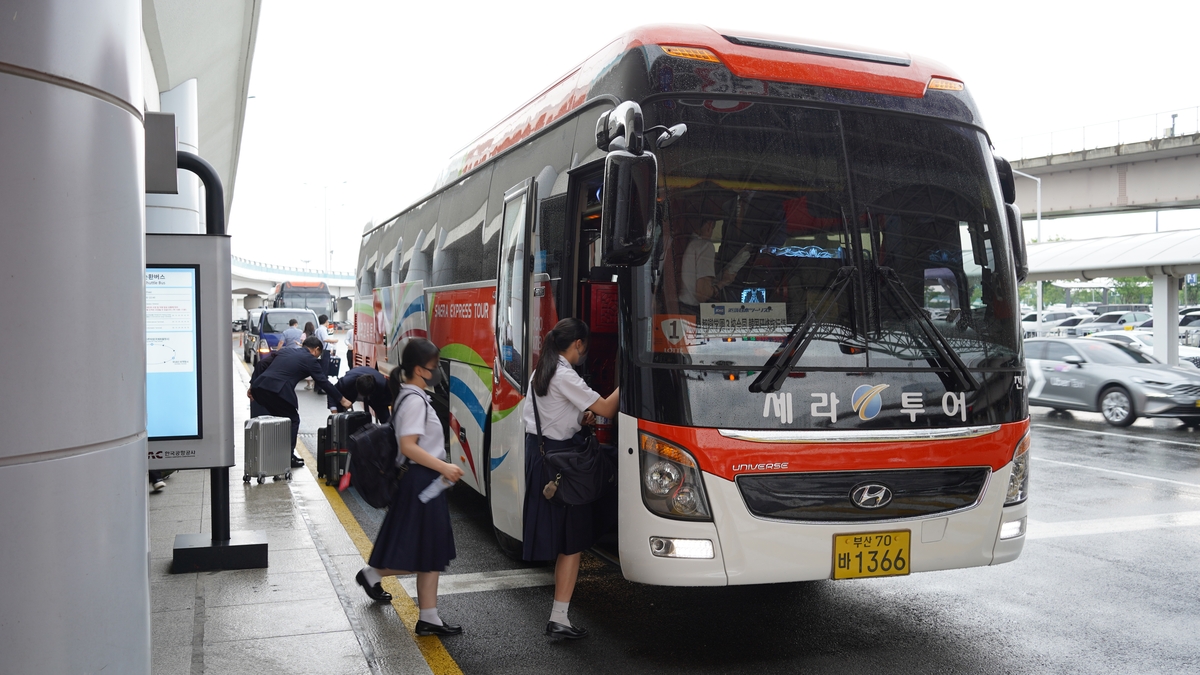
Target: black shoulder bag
[[576, 470]]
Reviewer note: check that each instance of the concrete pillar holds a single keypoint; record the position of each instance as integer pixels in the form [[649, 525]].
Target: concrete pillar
[[1166, 319], [344, 305], [1068, 291], [74, 551], [179, 214]]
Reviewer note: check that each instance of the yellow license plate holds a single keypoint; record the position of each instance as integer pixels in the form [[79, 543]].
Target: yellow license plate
[[871, 554]]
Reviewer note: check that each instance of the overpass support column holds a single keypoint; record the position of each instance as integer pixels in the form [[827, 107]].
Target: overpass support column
[[75, 595], [252, 301], [1166, 318]]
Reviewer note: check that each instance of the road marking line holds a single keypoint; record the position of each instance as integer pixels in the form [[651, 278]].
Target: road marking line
[[1109, 433], [1039, 458], [1073, 528], [439, 660], [476, 582]]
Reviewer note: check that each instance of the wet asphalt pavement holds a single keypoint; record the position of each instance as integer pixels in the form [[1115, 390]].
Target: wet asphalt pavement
[[1106, 584]]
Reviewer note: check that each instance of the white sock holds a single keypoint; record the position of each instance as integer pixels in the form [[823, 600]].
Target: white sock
[[558, 614], [431, 616], [372, 575]]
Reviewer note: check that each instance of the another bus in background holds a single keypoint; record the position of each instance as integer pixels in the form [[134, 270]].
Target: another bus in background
[[312, 295]]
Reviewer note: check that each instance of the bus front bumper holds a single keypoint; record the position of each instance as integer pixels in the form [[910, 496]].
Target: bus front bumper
[[746, 549]]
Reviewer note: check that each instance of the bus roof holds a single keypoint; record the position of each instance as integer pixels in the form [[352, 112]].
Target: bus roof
[[752, 56], [302, 284]]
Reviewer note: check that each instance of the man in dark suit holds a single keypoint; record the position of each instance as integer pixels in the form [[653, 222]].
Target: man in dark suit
[[274, 389], [365, 384]]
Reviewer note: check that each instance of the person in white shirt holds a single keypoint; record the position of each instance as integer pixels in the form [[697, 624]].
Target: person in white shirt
[[329, 342], [416, 536], [697, 271], [565, 404]]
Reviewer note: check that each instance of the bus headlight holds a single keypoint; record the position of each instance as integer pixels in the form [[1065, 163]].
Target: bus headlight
[[663, 477], [671, 484], [1018, 481]]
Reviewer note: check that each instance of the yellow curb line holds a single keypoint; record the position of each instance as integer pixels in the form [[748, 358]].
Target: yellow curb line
[[439, 660]]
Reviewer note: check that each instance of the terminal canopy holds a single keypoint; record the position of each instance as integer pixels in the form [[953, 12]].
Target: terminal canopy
[[1173, 254]]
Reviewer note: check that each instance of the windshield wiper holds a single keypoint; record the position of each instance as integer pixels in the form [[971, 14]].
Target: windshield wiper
[[776, 369], [959, 378]]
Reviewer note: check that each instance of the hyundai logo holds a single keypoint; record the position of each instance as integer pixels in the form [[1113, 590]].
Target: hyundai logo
[[871, 496]]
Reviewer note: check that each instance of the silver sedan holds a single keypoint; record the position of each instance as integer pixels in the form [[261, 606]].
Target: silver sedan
[[1118, 382]]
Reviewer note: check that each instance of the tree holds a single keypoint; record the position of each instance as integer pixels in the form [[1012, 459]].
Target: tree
[[1132, 290]]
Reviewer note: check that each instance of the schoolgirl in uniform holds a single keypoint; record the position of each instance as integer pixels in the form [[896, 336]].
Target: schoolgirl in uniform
[[565, 403], [416, 537]]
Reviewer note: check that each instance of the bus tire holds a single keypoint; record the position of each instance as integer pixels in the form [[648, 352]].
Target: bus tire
[[1116, 405]]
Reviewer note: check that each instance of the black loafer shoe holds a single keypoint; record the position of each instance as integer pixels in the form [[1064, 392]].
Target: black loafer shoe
[[297, 462], [425, 628], [375, 592], [557, 630]]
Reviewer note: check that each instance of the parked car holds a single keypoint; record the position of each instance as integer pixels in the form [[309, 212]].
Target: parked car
[[1119, 382], [1143, 341], [1104, 309], [1064, 328], [1109, 321], [1189, 328], [1050, 318], [250, 339]]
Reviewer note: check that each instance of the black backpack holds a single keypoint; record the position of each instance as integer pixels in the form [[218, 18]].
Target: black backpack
[[373, 452]]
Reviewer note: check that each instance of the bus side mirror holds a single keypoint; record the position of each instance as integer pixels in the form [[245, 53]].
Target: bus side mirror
[[629, 200], [1016, 234]]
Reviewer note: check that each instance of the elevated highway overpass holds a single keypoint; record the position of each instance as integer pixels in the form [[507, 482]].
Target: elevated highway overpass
[[1158, 174], [253, 280]]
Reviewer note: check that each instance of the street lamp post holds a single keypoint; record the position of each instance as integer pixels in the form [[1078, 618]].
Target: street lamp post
[[1039, 239], [328, 251]]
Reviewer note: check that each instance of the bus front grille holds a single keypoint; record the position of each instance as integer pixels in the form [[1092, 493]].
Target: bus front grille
[[829, 496]]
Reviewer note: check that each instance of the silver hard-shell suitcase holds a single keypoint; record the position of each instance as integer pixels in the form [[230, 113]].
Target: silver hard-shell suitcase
[[268, 448]]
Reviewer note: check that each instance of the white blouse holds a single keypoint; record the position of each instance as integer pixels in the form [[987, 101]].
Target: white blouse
[[562, 408], [416, 417]]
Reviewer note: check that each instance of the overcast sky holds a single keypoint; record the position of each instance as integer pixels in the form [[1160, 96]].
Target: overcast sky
[[356, 111]]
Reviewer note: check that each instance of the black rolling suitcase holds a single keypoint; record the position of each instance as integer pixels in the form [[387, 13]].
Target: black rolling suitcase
[[323, 447], [335, 366], [341, 425]]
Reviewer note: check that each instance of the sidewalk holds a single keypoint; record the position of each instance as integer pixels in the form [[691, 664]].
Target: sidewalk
[[303, 614]]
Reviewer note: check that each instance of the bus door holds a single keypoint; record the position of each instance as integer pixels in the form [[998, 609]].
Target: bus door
[[512, 364], [597, 292]]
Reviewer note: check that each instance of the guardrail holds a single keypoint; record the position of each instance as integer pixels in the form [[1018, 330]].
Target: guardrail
[[1169, 124], [308, 271]]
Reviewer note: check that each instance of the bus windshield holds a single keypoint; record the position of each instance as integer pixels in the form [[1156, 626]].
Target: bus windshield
[[879, 232]]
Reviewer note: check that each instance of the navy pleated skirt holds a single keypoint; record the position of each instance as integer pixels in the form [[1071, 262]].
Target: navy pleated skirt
[[550, 528], [415, 537]]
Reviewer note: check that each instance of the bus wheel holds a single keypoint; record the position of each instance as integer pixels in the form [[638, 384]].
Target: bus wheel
[[1116, 405]]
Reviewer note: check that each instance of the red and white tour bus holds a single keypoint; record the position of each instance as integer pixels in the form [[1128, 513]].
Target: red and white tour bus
[[799, 261]]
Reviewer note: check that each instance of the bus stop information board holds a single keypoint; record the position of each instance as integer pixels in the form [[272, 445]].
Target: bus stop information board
[[172, 353]]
